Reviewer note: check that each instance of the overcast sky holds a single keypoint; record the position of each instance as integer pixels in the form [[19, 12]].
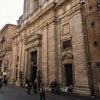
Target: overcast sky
[[10, 11]]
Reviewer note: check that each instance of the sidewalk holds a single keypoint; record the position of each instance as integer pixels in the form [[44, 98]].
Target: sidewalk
[[72, 96], [68, 95]]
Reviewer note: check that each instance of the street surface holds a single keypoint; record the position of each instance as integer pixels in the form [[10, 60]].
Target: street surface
[[15, 93]]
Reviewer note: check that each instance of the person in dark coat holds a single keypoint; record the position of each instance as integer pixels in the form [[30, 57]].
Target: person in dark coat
[[5, 81], [35, 87], [55, 86], [52, 86], [42, 93], [0, 83], [28, 86]]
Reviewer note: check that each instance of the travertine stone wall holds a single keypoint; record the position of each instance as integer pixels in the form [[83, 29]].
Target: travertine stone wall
[[56, 24], [14, 52], [26, 8], [44, 55], [42, 2], [51, 52], [79, 51], [31, 6]]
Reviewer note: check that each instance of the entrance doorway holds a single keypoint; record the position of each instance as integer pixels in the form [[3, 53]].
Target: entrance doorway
[[33, 72], [69, 74]]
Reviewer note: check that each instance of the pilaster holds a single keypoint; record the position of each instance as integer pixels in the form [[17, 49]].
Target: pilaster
[[81, 81]]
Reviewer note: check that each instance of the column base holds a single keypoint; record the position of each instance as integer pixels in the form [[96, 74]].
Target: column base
[[19, 83], [84, 91]]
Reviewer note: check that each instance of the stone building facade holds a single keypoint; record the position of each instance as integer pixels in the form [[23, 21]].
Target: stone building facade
[[51, 44], [6, 50], [91, 12]]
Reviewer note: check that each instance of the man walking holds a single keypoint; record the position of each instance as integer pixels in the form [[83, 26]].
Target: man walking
[[0, 83], [35, 87], [52, 87], [28, 86], [55, 86], [42, 92]]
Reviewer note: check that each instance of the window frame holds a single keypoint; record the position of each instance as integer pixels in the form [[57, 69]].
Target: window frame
[[67, 48]]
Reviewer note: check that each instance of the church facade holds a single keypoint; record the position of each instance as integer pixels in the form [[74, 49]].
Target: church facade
[[50, 44]]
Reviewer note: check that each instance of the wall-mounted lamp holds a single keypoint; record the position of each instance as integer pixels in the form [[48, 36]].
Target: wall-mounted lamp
[[97, 4], [82, 1]]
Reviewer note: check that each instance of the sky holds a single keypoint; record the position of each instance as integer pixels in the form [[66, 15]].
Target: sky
[[10, 11]]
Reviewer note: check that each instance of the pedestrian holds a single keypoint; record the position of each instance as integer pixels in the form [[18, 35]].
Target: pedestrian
[[28, 84], [35, 87], [70, 88], [5, 81], [55, 86], [58, 88], [0, 83], [42, 93], [52, 86]]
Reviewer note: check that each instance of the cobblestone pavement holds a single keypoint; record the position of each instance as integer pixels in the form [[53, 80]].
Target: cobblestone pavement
[[15, 93]]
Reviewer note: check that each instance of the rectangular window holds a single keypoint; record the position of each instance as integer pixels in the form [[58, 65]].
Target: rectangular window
[[67, 44], [34, 58]]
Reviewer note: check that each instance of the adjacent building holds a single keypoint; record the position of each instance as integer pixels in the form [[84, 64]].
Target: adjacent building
[[58, 40], [91, 19], [6, 50]]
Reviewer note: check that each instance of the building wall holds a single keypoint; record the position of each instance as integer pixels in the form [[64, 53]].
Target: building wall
[[44, 31], [6, 50], [92, 16]]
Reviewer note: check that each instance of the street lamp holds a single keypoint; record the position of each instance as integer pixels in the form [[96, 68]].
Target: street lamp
[[97, 2], [82, 1]]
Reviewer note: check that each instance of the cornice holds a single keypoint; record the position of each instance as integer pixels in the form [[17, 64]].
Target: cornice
[[53, 5], [73, 11], [60, 2], [38, 15]]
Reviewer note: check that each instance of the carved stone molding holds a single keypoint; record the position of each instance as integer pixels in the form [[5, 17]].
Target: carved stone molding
[[67, 55], [2, 53], [33, 38]]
